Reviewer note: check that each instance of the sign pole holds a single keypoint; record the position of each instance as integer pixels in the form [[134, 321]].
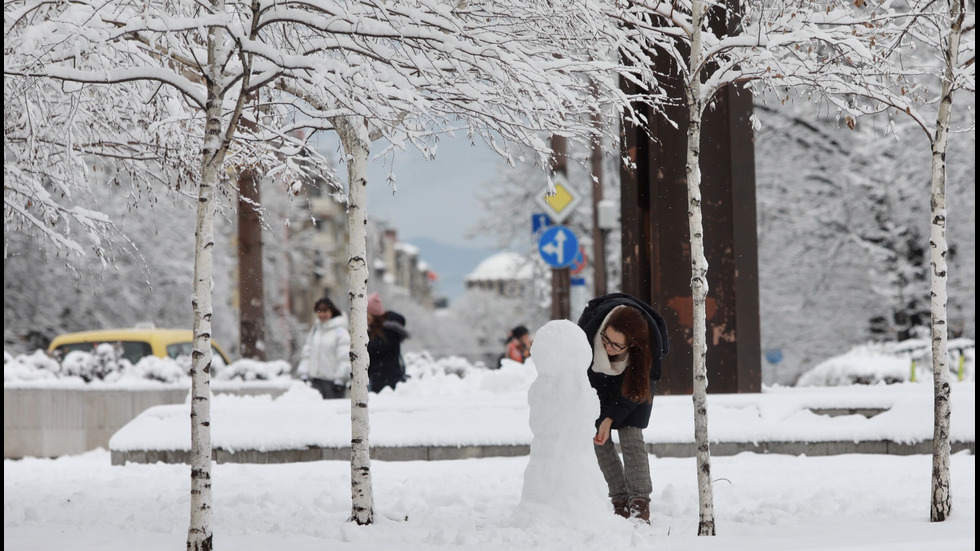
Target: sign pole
[[598, 237], [561, 304], [559, 248]]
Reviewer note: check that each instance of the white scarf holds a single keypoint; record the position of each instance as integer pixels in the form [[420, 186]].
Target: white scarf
[[600, 360]]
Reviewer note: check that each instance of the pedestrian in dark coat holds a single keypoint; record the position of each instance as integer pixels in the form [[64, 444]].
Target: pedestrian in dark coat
[[629, 341], [386, 331]]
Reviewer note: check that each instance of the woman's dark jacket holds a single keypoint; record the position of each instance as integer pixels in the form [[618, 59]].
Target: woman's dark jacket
[[386, 367], [623, 411]]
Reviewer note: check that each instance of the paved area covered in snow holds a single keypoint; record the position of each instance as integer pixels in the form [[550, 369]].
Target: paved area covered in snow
[[410, 424]]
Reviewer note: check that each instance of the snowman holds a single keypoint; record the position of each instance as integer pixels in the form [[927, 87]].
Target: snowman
[[562, 478]]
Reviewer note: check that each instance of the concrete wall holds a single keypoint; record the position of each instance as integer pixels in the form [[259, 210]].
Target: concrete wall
[[54, 422]]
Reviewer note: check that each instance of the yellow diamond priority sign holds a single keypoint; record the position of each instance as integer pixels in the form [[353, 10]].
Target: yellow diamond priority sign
[[560, 204]]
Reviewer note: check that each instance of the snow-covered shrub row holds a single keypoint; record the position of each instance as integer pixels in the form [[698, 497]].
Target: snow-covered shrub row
[[422, 365], [454, 375], [29, 367], [105, 365], [890, 362], [253, 370]]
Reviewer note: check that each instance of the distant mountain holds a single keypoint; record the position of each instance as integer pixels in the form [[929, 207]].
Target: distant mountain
[[451, 263]]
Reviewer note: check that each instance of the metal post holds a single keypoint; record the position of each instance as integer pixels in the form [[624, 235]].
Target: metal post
[[250, 276], [598, 236], [561, 304], [656, 241]]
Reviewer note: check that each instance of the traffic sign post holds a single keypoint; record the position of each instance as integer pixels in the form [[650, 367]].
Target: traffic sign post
[[558, 247], [559, 204], [539, 221]]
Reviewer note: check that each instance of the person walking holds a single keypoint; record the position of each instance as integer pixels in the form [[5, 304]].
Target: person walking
[[386, 331], [629, 341], [519, 344], [325, 359]]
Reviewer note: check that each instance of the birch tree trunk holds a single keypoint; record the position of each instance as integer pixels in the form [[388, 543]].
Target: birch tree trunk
[[354, 137], [942, 502], [199, 535], [699, 277]]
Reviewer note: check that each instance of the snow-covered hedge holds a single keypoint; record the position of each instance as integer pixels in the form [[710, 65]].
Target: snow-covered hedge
[[866, 364], [890, 362], [454, 375], [420, 365], [253, 370], [105, 365]]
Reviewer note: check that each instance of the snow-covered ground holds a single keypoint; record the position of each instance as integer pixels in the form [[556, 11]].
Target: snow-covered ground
[[762, 502]]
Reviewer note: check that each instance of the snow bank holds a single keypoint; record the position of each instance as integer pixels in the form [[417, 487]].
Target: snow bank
[[892, 362]]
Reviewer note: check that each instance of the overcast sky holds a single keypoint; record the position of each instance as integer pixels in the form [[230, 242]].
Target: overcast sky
[[434, 199]]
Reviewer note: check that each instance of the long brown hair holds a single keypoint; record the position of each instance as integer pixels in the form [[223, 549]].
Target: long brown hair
[[630, 322], [376, 327]]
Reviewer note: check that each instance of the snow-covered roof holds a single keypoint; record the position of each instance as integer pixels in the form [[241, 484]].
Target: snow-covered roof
[[408, 248], [502, 266]]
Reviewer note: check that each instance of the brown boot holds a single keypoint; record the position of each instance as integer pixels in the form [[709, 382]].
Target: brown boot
[[621, 507], [640, 509]]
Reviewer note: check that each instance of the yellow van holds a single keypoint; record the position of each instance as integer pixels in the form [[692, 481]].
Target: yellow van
[[135, 343]]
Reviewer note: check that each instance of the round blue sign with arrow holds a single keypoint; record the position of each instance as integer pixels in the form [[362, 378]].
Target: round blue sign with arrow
[[558, 247]]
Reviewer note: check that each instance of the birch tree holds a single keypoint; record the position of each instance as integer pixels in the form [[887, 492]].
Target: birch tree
[[942, 502], [699, 273], [941, 28], [927, 50]]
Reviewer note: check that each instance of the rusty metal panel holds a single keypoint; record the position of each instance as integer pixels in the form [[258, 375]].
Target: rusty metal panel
[[656, 243]]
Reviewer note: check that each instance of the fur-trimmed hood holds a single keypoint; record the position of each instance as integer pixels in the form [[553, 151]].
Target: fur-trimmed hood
[[593, 320]]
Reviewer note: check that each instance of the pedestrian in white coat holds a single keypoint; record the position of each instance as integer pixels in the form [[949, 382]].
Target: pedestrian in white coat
[[326, 354]]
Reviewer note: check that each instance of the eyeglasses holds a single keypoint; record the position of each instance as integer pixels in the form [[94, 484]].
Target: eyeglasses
[[614, 345]]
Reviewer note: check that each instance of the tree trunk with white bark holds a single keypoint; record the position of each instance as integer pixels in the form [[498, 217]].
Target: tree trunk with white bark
[[199, 535], [699, 278], [355, 140], [942, 502]]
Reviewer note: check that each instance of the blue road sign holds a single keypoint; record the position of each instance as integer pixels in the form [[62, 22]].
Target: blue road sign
[[774, 356], [539, 221], [558, 246]]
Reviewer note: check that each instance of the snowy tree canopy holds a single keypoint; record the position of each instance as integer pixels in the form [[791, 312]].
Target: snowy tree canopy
[[125, 85]]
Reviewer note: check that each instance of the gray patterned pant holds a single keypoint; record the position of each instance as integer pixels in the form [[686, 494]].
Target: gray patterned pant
[[633, 479]]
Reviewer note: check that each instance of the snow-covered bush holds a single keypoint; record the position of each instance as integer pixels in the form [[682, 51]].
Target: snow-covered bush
[[420, 365], [456, 376], [105, 365], [890, 362], [29, 367], [253, 370], [102, 364], [165, 370]]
